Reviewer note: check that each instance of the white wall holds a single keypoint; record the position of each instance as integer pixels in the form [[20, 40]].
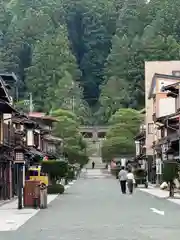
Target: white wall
[[30, 137], [162, 67], [7, 118], [166, 106]]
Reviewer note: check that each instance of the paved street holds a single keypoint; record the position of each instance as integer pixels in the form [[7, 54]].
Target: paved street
[[95, 209]]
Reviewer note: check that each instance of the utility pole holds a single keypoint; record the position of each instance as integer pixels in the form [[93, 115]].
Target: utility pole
[[73, 104], [179, 118], [73, 99], [30, 103]]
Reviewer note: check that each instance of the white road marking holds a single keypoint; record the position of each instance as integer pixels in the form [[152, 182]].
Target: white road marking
[[157, 211]]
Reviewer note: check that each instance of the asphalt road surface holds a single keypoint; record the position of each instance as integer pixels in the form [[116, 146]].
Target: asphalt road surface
[[95, 209]]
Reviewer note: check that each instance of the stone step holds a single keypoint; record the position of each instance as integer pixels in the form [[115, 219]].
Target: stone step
[[95, 174]]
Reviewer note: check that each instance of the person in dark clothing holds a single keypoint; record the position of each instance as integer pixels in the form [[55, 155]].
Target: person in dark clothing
[[130, 181], [123, 186], [93, 165]]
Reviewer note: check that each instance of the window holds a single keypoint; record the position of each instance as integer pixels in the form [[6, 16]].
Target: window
[[101, 134], [150, 128], [162, 133], [87, 134], [19, 157]]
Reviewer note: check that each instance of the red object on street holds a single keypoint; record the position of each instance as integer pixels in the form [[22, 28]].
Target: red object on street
[[45, 158], [31, 191], [113, 164]]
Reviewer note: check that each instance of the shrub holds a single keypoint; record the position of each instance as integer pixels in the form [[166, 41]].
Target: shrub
[[55, 169], [55, 189], [170, 171], [71, 174]]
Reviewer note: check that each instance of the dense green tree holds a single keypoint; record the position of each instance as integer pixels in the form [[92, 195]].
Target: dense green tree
[[127, 117], [130, 23], [67, 128], [68, 53], [53, 65], [132, 18], [117, 147], [148, 40], [119, 142], [90, 25], [58, 113]]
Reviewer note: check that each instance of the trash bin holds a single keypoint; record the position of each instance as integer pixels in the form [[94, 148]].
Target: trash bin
[[43, 196]]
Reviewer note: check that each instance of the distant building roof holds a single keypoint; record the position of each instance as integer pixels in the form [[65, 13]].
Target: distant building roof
[[36, 114], [43, 116]]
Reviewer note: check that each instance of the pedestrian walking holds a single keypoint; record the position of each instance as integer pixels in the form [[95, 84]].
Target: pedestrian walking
[[123, 178], [93, 165], [130, 181]]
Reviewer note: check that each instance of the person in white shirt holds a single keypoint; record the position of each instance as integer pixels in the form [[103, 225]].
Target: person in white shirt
[[123, 178], [130, 181]]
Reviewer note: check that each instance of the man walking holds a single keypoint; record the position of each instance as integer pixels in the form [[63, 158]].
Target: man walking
[[93, 165], [123, 179]]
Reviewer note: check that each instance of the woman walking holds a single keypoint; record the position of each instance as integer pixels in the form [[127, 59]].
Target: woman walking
[[130, 181]]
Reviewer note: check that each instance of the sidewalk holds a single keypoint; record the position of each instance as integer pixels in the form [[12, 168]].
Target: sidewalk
[[163, 194], [11, 218], [2, 202]]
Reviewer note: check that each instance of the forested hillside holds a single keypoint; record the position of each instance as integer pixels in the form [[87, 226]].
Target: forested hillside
[[86, 55]]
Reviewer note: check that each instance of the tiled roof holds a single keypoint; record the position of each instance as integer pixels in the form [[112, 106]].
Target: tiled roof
[[42, 116]]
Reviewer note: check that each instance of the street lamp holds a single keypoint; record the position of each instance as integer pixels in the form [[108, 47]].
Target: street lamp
[[19, 160]]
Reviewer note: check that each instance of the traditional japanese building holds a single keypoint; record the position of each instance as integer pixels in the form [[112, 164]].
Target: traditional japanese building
[[7, 142], [51, 146]]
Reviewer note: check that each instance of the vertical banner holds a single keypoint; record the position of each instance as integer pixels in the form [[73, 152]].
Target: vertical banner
[[158, 166]]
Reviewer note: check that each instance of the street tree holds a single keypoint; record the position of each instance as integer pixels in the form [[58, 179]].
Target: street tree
[[119, 142], [67, 128]]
